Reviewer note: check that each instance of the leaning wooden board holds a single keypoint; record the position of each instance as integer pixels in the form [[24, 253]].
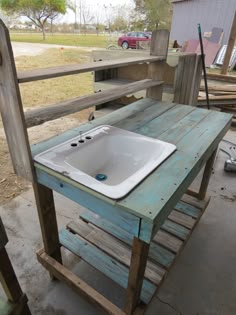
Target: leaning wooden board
[[196, 133]]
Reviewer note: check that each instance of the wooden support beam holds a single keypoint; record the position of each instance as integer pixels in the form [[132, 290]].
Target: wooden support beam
[[138, 263], [54, 72], [48, 220], [77, 284], [159, 47], [230, 47], [206, 176], [8, 278], [11, 285], [39, 116], [12, 111]]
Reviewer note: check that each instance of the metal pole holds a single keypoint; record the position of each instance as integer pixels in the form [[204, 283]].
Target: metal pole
[[203, 65]]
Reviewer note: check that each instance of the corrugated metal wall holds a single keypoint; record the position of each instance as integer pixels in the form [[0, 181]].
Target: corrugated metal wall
[[210, 13]]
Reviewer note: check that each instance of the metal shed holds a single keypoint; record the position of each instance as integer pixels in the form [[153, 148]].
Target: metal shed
[[210, 13]]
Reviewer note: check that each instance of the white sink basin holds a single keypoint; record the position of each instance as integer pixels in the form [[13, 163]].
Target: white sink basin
[[109, 160]]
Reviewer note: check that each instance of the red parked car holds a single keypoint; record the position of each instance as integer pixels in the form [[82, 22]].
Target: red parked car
[[129, 40]]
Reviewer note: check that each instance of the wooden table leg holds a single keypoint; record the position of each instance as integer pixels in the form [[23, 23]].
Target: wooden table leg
[[136, 274], [206, 176], [201, 194], [10, 283], [48, 220]]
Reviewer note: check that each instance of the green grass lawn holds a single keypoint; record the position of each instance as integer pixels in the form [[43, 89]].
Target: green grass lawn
[[101, 41]]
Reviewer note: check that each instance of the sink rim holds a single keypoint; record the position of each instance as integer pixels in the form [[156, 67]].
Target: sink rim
[[116, 191]]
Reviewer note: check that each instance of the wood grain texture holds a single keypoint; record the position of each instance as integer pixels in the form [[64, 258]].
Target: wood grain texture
[[8, 278], [197, 77], [114, 248], [3, 235], [230, 47], [156, 253], [38, 116], [54, 72], [106, 209], [48, 221], [162, 195], [103, 262], [159, 47], [136, 274], [185, 79], [206, 176], [12, 111], [77, 284]]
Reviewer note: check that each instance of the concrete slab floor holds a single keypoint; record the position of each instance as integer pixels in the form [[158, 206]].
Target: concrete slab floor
[[202, 281]]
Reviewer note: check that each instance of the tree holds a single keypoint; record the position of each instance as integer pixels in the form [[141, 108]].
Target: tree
[[37, 11], [152, 13], [86, 14]]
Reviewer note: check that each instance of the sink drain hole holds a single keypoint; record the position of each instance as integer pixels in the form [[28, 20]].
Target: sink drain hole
[[101, 177]]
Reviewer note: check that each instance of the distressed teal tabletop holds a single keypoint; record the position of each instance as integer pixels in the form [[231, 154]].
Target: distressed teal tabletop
[[196, 133]]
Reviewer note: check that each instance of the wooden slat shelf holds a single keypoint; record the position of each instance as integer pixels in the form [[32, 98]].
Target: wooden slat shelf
[[38, 116], [107, 247], [54, 72]]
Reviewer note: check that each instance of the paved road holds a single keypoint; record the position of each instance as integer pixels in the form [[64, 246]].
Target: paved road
[[29, 49]]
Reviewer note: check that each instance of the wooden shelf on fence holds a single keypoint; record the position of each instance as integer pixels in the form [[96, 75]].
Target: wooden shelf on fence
[[54, 72], [107, 247]]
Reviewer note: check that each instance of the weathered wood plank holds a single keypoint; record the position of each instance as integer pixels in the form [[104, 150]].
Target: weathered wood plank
[[38, 116], [113, 247], [197, 77], [156, 252], [230, 47], [136, 274], [8, 278], [175, 229], [48, 221], [188, 209], [184, 164], [104, 263], [77, 284], [180, 128], [3, 235], [73, 191], [206, 176], [133, 122], [182, 219], [163, 122], [168, 241], [12, 111], [159, 46], [54, 72], [192, 203]]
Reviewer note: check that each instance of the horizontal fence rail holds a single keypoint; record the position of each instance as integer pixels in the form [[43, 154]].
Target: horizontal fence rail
[[54, 72], [41, 115]]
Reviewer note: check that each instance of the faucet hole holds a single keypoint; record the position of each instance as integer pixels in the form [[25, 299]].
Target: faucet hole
[[74, 144], [88, 138], [81, 141]]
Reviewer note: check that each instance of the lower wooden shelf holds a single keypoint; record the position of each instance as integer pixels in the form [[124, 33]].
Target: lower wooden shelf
[[107, 247]]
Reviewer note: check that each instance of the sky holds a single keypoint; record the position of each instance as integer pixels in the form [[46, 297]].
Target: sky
[[94, 7]]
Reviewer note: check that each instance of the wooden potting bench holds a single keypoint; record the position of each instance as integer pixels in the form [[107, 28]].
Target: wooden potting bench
[[134, 240], [16, 303]]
